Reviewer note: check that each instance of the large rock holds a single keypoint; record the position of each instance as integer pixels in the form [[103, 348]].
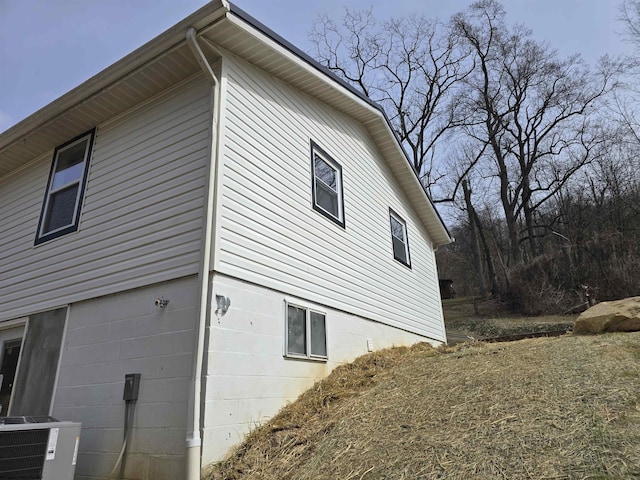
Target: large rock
[[617, 316]]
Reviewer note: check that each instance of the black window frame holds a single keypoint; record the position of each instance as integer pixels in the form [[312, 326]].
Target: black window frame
[[308, 355], [340, 218], [42, 237], [393, 215]]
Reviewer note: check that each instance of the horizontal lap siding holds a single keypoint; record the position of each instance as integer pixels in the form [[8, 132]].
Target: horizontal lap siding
[[270, 235], [142, 213]]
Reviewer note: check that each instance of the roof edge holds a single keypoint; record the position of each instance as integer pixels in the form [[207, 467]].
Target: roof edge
[[253, 22], [147, 52], [205, 16]]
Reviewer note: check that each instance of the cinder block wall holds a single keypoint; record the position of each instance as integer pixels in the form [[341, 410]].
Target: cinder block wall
[[248, 378], [109, 337]]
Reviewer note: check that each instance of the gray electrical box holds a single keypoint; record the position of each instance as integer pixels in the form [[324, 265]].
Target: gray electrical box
[[131, 386], [38, 448]]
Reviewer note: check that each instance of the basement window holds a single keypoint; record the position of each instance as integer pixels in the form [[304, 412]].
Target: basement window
[[306, 333], [65, 188], [327, 185], [399, 238]]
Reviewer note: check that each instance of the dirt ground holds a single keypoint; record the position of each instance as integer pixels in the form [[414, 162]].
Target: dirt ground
[[467, 319]]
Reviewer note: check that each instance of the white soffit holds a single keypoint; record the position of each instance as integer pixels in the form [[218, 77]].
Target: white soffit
[[159, 64]]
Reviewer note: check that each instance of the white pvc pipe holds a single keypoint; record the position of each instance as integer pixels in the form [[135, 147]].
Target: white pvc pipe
[[193, 440]]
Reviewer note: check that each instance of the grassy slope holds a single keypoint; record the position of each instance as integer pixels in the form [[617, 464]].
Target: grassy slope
[[566, 408]]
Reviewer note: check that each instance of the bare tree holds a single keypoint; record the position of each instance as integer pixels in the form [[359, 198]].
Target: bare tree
[[625, 108], [533, 109], [481, 252], [630, 18], [411, 66], [522, 127]]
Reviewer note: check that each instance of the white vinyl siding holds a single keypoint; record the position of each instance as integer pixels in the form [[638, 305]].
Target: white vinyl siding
[[267, 234], [142, 211]]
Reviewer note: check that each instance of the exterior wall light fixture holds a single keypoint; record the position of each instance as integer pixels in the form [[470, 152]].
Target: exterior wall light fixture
[[222, 305]]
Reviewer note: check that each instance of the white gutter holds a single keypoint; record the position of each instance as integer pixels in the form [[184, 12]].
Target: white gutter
[[194, 440]]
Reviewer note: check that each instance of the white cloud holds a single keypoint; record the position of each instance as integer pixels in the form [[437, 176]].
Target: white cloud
[[5, 121]]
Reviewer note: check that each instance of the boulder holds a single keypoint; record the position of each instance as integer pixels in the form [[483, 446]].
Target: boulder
[[617, 316]]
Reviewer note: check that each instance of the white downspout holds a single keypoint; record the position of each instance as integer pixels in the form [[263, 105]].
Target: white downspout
[[193, 440]]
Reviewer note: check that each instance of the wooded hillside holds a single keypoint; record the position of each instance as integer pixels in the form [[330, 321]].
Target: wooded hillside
[[532, 157]]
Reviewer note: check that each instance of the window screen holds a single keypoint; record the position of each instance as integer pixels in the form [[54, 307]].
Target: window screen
[[296, 331], [318, 335]]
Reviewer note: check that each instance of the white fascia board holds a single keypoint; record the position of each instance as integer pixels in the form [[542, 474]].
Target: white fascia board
[[136, 59], [294, 58]]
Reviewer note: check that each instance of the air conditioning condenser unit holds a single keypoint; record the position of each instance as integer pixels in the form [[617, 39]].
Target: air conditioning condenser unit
[[38, 448]]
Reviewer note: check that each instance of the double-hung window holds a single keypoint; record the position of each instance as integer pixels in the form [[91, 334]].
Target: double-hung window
[[327, 185], [306, 333], [399, 238], [65, 188]]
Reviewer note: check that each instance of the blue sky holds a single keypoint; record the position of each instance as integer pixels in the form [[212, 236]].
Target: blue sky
[[48, 47]]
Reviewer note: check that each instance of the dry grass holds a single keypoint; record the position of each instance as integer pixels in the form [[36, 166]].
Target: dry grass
[[559, 408]]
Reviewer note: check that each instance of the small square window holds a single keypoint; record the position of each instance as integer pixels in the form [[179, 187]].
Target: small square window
[[65, 188], [327, 185], [306, 333], [399, 238]]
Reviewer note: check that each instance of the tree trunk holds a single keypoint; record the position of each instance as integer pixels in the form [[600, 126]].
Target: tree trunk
[[491, 270], [475, 241], [528, 217]]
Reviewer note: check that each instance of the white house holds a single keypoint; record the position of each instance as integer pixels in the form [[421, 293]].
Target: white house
[[215, 168]]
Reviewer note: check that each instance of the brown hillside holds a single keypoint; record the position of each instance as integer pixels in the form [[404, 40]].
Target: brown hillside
[[562, 408]]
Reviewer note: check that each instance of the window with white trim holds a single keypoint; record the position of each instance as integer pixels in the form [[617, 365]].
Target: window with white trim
[[399, 238], [306, 333], [327, 185], [65, 188]]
